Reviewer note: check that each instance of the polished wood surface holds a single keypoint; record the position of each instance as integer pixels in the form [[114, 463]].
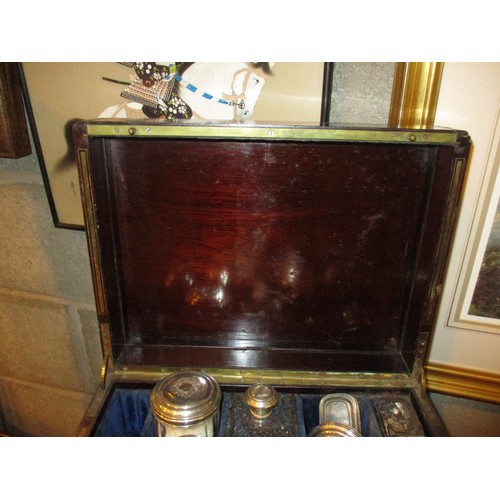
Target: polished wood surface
[[14, 137], [286, 255]]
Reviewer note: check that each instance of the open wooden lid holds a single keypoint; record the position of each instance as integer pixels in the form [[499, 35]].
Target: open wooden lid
[[267, 247]]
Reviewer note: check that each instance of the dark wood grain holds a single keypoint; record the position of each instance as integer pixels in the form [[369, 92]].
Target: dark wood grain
[[286, 255], [14, 137]]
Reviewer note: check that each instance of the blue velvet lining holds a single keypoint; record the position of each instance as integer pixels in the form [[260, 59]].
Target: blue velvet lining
[[128, 413]]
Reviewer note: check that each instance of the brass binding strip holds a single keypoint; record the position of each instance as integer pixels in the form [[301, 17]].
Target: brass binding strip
[[104, 369], [448, 223], [92, 232], [95, 261], [289, 378], [238, 131], [463, 382]]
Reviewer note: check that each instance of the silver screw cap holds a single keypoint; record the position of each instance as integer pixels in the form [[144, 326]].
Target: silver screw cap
[[261, 399]]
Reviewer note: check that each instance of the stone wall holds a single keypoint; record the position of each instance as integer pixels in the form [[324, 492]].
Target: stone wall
[[361, 93], [50, 353]]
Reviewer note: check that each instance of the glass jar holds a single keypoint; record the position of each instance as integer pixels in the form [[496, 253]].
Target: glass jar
[[186, 404]]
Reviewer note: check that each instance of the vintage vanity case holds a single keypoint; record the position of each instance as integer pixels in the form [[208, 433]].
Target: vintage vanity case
[[306, 258]]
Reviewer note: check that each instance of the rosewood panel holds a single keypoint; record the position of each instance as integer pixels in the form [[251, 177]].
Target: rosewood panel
[[262, 245], [14, 137]]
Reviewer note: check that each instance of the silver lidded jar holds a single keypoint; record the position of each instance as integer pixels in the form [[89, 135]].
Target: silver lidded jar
[[186, 404], [338, 417], [334, 429]]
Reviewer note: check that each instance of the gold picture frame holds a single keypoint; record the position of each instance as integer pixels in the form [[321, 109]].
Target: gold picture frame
[[415, 94]]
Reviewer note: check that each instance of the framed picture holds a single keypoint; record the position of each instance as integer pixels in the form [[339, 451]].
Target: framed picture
[[59, 94], [476, 302]]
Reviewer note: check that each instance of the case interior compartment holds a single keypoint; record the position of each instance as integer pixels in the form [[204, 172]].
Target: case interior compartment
[[255, 254], [307, 252], [127, 413]]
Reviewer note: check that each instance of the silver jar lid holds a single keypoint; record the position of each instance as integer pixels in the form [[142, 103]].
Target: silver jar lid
[[261, 399], [340, 408], [185, 398], [334, 429]]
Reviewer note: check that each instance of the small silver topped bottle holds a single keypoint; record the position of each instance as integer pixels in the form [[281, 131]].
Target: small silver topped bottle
[[261, 399]]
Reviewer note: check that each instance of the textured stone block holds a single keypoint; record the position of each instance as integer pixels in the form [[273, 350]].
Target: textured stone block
[[36, 256], [36, 343], [24, 170], [92, 344], [361, 93], [36, 410]]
